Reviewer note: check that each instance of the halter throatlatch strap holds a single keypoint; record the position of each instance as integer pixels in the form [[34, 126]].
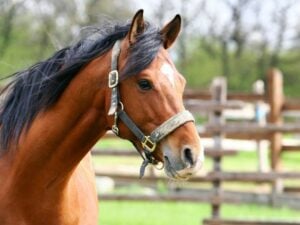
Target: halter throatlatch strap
[[148, 142]]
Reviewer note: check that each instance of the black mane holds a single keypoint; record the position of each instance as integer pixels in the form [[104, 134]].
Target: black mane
[[41, 85]]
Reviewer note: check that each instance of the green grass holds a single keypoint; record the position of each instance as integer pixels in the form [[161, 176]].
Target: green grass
[[113, 143], [179, 213]]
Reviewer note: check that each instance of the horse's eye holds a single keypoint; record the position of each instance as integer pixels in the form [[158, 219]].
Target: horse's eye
[[145, 85]]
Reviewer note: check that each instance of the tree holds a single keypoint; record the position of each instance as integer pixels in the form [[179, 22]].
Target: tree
[[280, 19], [8, 11], [99, 10]]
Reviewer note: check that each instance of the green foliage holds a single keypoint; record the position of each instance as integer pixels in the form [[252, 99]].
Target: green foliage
[[290, 67], [203, 65], [200, 67], [22, 52], [35, 36]]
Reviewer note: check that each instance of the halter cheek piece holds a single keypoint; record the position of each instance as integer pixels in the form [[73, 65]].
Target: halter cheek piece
[[148, 142]]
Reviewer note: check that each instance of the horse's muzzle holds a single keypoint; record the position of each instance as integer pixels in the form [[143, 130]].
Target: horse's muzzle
[[187, 164]]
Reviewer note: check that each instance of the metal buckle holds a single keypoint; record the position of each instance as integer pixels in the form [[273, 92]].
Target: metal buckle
[[113, 78], [148, 144], [115, 130]]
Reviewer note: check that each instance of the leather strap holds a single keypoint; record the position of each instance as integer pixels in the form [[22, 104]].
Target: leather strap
[[131, 125], [171, 124], [115, 55], [113, 79]]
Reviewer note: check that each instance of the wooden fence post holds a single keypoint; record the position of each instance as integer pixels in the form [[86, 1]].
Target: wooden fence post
[[219, 95], [260, 118], [276, 101]]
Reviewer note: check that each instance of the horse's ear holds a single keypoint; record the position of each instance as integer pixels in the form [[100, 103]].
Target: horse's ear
[[137, 26], [170, 31]]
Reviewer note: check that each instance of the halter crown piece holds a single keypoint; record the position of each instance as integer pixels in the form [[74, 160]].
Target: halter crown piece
[[148, 142]]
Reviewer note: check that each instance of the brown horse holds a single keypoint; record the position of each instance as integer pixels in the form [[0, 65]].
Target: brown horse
[[55, 111]]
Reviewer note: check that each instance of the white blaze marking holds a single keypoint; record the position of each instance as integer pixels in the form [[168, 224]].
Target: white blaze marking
[[169, 72]]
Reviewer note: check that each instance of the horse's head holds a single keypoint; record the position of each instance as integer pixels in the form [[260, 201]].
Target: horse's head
[[153, 96]]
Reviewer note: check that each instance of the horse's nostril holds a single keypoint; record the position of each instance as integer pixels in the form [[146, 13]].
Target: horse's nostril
[[188, 156]]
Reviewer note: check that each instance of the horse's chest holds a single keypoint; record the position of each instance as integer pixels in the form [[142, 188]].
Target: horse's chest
[[87, 201]]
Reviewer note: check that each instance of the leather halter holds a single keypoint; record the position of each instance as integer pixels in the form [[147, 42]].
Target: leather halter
[[148, 142]]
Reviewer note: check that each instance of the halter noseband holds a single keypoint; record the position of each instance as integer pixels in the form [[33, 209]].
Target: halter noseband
[[148, 142]]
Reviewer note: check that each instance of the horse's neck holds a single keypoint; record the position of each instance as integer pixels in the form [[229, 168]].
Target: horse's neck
[[60, 137]]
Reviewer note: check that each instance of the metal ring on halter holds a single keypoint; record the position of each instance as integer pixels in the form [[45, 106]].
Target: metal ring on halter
[[159, 167], [121, 106]]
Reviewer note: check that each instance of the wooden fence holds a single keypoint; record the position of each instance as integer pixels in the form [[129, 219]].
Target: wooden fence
[[215, 102]]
